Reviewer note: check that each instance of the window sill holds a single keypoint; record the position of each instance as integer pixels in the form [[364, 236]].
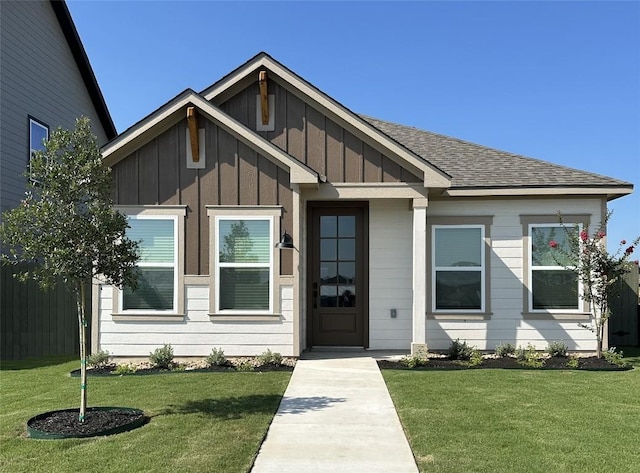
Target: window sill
[[459, 316], [245, 318], [556, 316], [147, 317]]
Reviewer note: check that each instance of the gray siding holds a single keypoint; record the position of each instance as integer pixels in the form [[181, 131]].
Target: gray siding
[[38, 77]]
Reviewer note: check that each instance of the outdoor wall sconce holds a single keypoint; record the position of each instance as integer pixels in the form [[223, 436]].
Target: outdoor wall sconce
[[286, 242]]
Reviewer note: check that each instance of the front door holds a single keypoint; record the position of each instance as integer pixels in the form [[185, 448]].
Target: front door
[[338, 275]]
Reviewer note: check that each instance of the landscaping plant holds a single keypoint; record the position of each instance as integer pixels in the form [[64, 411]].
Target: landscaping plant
[[598, 271], [162, 357], [66, 227]]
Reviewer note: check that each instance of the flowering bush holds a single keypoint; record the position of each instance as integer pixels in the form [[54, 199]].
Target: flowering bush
[[598, 270]]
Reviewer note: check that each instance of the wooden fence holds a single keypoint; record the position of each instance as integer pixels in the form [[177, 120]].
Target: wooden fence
[[36, 323], [623, 324]]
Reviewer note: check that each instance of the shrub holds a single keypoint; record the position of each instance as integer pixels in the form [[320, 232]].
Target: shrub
[[414, 361], [475, 358], [216, 358], [505, 349], [99, 360], [162, 357], [557, 349], [124, 369], [573, 363], [615, 357], [245, 366], [270, 358], [460, 350], [529, 357]]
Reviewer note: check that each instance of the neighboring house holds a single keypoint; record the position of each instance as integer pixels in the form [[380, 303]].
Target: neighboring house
[[46, 81], [400, 236]]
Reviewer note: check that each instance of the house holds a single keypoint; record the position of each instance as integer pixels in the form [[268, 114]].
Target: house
[[46, 81], [272, 216]]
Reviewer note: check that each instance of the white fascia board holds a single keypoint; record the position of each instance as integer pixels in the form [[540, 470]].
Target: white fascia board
[[610, 192], [433, 177]]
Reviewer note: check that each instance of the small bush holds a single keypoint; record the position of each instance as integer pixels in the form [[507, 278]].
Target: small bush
[[124, 369], [460, 350], [162, 357], [529, 357], [573, 363], [557, 349], [216, 358], [475, 359], [615, 357], [414, 361], [99, 360], [270, 358], [245, 366], [505, 349]]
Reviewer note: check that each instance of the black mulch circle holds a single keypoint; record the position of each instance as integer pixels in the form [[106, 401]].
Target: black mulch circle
[[98, 421]]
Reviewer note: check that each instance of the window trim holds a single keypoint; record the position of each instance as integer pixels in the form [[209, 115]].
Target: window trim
[[177, 213], [244, 212], [482, 222], [528, 222], [34, 121]]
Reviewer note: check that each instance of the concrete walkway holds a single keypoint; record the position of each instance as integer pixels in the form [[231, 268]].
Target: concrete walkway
[[336, 416]]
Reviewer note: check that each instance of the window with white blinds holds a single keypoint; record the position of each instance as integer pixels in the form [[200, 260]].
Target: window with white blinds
[[244, 264], [157, 275], [458, 269]]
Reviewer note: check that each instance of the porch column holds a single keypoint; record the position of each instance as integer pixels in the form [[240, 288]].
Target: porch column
[[418, 343]]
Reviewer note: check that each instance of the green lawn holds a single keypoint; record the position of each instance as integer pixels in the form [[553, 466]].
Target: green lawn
[[521, 420], [209, 422]]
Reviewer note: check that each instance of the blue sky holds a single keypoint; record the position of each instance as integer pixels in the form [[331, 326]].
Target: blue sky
[[558, 81]]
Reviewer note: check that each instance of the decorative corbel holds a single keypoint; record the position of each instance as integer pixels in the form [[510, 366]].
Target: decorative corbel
[[264, 97], [192, 122]]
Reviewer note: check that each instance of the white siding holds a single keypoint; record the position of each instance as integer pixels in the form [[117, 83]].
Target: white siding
[[197, 334], [38, 77], [507, 278], [390, 266]]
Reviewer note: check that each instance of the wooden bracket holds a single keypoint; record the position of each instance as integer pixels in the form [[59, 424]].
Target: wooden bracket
[[264, 97], [192, 122]]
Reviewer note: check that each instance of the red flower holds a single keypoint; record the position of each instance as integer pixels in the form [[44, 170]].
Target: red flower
[[584, 236], [553, 244], [601, 234], [623, 242], [629, 250]]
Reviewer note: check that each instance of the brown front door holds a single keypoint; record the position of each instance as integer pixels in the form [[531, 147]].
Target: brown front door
[[338, 275]]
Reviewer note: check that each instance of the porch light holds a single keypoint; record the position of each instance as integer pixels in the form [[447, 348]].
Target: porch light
[[286, 242]]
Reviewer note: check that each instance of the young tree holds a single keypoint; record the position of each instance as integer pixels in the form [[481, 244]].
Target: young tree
[[67, 226], [597, 270]]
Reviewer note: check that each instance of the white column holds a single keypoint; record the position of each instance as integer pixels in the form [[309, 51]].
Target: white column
[[418, 343]]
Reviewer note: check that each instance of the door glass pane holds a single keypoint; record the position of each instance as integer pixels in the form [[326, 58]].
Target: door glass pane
[[244, 288], [346, 296], [328, 272], [347, 249], [347, 226], [329, 226], [458, 290], [328, 249], [458, 247], [328, 296], [347, 273]]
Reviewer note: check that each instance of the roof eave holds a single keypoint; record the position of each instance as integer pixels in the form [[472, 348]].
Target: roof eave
[[611, 192]]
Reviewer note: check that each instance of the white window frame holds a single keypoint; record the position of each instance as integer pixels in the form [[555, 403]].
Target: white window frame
[[579, 294], [37, 123], [482, 269], [177, 213], [244, 212]]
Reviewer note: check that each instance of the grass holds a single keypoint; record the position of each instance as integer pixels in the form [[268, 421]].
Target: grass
[[521, 420], [199, 421]]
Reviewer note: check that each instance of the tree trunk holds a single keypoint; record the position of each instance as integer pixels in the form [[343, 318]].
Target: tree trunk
[[82, 326]]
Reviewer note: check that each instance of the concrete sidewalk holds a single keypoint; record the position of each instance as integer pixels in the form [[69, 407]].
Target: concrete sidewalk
[[336, 416]]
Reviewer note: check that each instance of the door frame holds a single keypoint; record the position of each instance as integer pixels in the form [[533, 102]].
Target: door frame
[[311, 207]]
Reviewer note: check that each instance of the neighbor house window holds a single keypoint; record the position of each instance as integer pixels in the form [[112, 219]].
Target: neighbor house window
[[38, 135], [244, 264], [552, 287], [458, 268], [157, 268]]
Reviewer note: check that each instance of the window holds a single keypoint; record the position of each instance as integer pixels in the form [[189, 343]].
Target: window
[[158, 276], [244, 264], [552, 286], [458, 268], [38, 134]]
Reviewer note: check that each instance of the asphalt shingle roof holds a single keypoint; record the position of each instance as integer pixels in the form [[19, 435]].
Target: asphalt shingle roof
[[475, 166]]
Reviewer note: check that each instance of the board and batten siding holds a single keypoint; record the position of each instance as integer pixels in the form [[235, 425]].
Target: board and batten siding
[[157, 174], [316, 140], [506, 323], [197, 335], [40, 78], [390, 274]]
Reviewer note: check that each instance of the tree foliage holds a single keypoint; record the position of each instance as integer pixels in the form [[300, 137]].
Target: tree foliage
[[598, 271], [67, 226]]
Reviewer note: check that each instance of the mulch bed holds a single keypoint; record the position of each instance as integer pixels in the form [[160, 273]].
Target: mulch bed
[[96, 422], [554, 363]]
